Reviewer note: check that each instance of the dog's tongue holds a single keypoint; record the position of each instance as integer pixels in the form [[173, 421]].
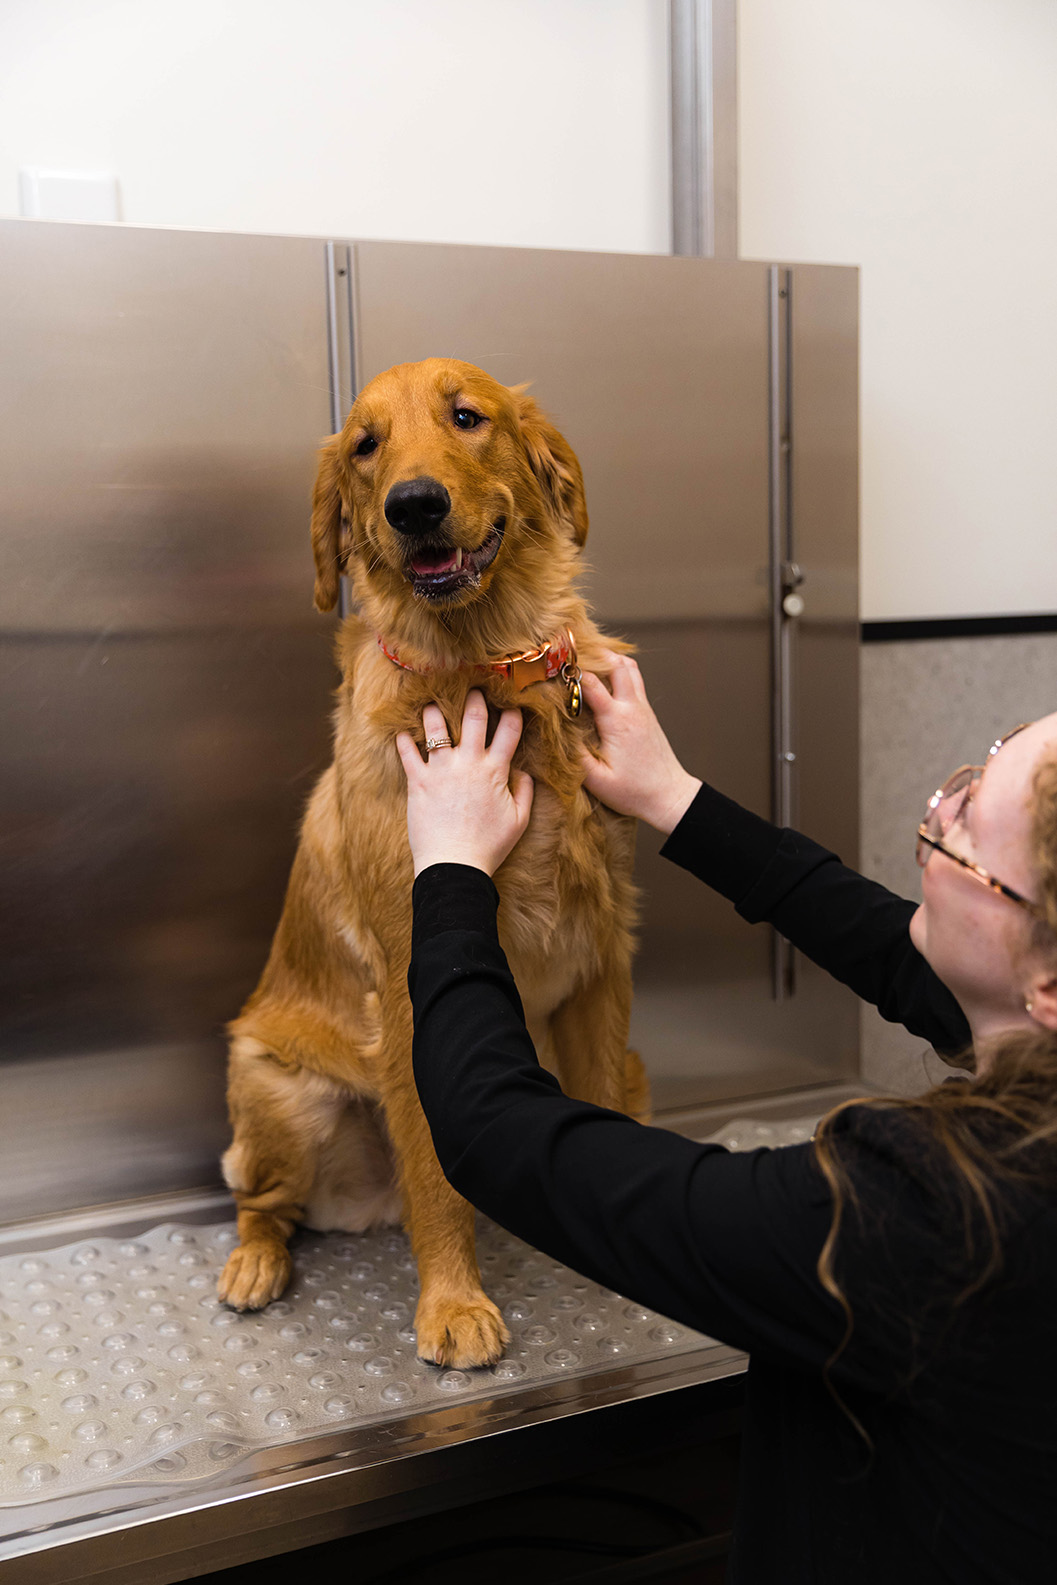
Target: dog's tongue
[[433, 560]]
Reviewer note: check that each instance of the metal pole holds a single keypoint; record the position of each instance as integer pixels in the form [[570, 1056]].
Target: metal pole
[[785, 578], [703, 75], [341, 353], [333, 361]]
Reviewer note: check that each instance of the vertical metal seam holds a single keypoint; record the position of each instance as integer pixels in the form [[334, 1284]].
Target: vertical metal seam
[[332, 338], [789, 625], [352, 300], [774, 535], [779, 380], [345, 603]]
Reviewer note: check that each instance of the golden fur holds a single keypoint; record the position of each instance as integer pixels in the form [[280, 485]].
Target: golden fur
[[327, 1125]]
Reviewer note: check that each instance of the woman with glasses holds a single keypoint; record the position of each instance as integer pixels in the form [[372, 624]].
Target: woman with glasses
[[895, 1280]]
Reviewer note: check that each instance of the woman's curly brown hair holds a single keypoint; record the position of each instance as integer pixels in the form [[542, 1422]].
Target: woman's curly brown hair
[[997, 1129]]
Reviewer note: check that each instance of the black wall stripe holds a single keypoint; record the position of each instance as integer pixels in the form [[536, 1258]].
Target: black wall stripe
[[957, 627]]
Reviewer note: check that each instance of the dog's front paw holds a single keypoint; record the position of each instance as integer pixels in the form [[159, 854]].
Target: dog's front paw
[[461, 1333], [255, 1274]]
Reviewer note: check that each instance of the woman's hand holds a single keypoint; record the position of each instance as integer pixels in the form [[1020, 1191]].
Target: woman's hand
[[465, 805], [638, 773]]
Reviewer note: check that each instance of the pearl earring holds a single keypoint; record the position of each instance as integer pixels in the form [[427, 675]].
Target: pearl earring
[[1028, 1006]]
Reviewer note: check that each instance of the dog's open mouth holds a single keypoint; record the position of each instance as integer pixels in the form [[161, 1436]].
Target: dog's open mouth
[[438, 571]]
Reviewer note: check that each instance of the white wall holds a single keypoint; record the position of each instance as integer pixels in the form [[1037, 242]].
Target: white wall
[[918, 138], [521, 122]]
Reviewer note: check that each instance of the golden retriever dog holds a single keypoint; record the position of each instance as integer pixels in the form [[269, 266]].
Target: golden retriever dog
[[457, 510]]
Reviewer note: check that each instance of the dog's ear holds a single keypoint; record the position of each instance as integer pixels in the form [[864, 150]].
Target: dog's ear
[[327, 510], [553, 461]]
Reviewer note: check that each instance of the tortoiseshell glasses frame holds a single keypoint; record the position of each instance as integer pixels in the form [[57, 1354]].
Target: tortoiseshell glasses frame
[[946, 806]]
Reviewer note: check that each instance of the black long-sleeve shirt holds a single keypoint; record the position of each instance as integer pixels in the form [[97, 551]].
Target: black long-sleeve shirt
[[959, 1401]]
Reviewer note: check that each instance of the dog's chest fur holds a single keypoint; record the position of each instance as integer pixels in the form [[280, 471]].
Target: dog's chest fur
[[558, 889]]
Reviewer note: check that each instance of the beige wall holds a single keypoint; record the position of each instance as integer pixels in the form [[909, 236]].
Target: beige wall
[[918, 139]]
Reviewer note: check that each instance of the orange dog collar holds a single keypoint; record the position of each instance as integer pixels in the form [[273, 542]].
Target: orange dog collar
[[554, 659]]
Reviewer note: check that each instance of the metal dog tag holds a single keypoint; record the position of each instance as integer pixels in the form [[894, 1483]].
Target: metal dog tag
[[571, 675]]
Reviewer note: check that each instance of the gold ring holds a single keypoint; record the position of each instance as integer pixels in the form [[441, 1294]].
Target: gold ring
[[438, 742]]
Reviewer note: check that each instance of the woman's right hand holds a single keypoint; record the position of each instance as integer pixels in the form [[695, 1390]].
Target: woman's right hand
[[637, 772]]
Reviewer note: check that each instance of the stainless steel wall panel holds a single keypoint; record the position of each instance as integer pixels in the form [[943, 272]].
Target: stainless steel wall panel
[[163, 395], [164, 683], [657, 370], [825, 514], [704, 1016]]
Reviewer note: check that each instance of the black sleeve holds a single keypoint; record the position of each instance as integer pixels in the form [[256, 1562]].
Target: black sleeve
[[852, 927], [723, 1242]]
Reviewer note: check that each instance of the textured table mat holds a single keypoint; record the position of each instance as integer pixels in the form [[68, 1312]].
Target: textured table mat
[[117, 1361]]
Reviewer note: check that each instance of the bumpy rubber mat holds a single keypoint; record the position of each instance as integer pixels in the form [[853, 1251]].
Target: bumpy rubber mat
[[117, 1360]]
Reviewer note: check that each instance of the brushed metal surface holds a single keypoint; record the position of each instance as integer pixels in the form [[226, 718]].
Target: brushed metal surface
[[174, 1390], [703, 94], [286, 1498], [164, 392], [657, 370], [210, 1503], [161, 1526], [164, 682], [825, 512]]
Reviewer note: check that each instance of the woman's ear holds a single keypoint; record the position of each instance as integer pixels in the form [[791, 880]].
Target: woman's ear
[[1041, 1001], [553, 462], [327, 512]]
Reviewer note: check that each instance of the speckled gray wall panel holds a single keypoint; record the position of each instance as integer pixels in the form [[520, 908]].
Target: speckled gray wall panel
[[929, 705]]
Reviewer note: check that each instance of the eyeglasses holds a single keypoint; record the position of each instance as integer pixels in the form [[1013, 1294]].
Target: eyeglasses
[[946, 807]]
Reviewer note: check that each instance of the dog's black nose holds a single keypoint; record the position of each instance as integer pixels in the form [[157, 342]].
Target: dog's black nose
[[417, 506]]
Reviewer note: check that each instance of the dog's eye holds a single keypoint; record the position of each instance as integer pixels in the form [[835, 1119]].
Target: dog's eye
[[466, 418], [366, 446]]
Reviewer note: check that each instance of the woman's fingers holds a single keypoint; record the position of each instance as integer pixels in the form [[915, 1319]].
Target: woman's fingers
[[407, 748], [474, 721], [522, 789], [596, 693], [474, 731], [433, 722], [593, 767], [637, 680], [506, 736], [628, 685], [465, 805]]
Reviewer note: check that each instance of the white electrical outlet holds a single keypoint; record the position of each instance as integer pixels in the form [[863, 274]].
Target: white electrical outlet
[[68, 195]]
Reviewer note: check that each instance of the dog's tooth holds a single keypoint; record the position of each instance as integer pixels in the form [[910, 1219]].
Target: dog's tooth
[[458, 558]]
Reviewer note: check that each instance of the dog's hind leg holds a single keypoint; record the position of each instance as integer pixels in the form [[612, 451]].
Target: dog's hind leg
[[637, 1088], [282, 1116], [590, 1034]]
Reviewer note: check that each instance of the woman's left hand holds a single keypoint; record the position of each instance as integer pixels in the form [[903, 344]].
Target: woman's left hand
[[465, 804]]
